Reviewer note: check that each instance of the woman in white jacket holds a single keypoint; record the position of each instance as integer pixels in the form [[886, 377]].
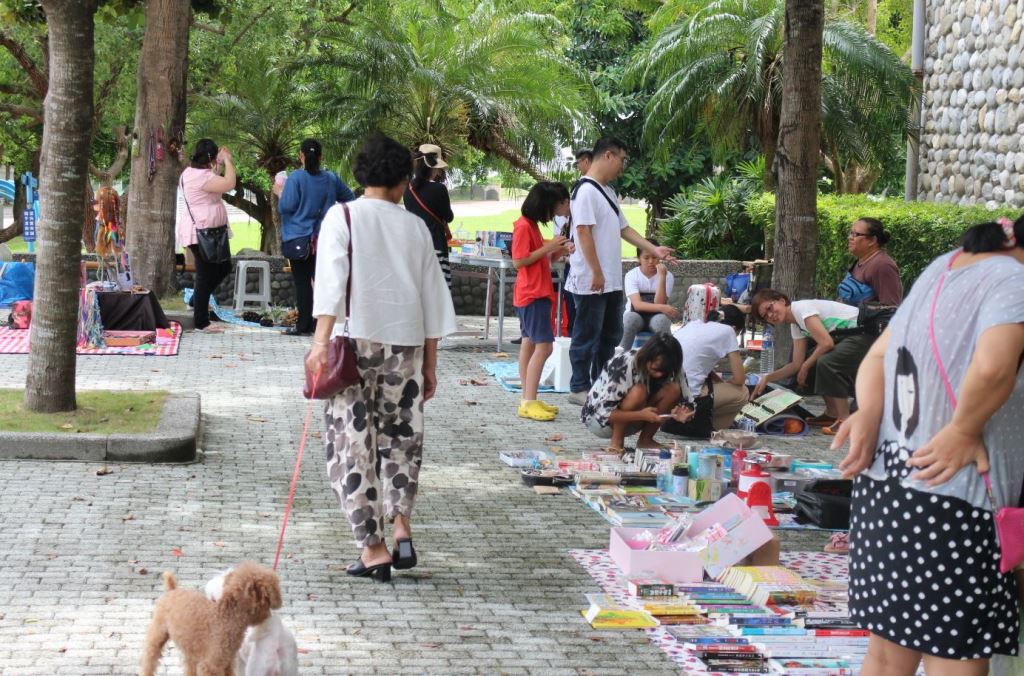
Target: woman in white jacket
[[399, 309]]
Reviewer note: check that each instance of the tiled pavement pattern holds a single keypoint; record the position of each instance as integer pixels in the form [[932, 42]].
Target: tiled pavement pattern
[[495, 592]]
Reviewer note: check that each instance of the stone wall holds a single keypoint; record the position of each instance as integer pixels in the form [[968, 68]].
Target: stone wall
[[469, 284], [972, 144]]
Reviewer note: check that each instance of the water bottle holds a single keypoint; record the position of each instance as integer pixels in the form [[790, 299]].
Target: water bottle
[[665, 470], [767, 351]]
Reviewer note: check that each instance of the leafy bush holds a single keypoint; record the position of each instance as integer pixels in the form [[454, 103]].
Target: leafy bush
[[920, 230], [710, 220]]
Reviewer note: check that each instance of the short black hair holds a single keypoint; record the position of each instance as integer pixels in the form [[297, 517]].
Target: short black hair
[[875, 229], [606, 143], [584, 154], [203, 154], [382, 162], [986, 237], [730, 315], [541, 201], [649, 239]]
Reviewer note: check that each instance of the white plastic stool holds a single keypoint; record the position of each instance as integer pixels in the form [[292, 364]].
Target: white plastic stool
[[262, 295]]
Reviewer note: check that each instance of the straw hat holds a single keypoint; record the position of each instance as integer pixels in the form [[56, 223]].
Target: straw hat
[[431, 156]]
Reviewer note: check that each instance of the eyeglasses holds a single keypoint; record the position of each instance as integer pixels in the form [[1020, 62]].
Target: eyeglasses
[[854, 234], [768, 309]]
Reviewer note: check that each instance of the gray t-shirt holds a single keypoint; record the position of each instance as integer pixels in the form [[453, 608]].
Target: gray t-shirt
[[974, 298]]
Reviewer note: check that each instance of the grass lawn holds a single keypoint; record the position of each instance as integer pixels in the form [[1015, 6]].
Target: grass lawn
[[502, 222], [246, 236], [99, 412], [247, 232]]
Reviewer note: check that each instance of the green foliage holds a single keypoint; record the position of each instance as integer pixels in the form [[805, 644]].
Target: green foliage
[[710, 220], [721, 67], [488, 79], [920, 230], [605, 39]]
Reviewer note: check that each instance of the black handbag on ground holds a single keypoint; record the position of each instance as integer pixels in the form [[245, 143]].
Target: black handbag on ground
[[211, 243], [825, 503]]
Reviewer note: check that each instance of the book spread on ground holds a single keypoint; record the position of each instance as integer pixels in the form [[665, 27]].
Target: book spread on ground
[[769, 405]]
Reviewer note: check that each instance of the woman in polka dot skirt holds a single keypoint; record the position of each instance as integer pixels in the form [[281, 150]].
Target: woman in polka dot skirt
[[941, 397]]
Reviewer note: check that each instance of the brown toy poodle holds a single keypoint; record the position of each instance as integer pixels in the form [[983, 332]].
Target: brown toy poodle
[[209, 634]]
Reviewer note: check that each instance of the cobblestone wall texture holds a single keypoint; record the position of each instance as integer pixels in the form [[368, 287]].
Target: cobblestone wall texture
[[972, 143]]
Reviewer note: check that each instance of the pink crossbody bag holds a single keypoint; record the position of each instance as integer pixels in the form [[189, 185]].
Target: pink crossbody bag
[[1009, 520]]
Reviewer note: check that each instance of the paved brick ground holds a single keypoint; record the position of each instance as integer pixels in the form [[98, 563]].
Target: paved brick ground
[[495, 591]]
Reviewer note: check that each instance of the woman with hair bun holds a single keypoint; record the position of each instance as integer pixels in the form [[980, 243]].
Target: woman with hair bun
[[874, 276], [202, 189], [935, 449]]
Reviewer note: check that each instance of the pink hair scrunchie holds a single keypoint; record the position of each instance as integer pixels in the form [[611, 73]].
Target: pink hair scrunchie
[[1011, 237]]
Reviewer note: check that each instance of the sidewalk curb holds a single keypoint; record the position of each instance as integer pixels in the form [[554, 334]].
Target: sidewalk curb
[[174, 440]]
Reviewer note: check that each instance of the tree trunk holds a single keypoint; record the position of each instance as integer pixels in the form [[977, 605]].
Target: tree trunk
[[492, 144], [796, 158], [50, 385], [263, 210], [871, 18], [152, 200]]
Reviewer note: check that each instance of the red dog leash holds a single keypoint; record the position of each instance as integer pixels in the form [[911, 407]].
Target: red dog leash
[[295, 476]]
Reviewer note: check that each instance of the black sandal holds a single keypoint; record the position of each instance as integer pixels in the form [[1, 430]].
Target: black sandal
[[403, 556], [380, 572]]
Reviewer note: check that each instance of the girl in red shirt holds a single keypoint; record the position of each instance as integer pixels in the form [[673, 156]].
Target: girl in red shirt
[[533, 294]]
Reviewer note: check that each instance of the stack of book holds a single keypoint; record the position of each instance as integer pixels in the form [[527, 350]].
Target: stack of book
[[766, 585], [674, 611], [731, 655], [605, 613], [813, 667]]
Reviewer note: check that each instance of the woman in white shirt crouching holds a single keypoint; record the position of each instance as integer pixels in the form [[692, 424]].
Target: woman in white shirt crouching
[[400, 308]]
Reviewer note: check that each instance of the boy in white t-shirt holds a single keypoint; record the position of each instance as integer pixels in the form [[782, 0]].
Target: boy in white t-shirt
[[704, 345], [835, 359], [647, 288], [596, 278]]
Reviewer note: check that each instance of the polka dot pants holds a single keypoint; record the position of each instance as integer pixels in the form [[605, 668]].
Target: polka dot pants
[[924, 573], [374, 438]]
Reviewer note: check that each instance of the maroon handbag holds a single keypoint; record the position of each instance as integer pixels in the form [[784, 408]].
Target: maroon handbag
[[341, 370]]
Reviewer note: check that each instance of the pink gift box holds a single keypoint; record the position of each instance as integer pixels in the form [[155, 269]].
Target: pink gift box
[[629, 553]]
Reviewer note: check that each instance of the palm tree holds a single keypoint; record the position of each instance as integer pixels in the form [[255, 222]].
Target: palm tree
[[492, 80], [721, 66], [262, 115]]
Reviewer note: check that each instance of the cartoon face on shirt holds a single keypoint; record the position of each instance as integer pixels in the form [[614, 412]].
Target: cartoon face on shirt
[[906, 402]]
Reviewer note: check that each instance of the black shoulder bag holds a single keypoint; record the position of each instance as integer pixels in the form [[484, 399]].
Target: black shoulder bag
[[212, 243]]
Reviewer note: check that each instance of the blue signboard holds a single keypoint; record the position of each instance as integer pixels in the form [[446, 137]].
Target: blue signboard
[[28, 225]]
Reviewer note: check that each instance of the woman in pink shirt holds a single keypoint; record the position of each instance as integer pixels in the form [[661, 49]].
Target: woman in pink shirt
[[202, 188]]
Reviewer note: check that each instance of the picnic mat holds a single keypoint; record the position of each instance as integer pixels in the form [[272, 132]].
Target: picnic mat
[[507, 375], [15, 341], [227, 315], [597, 563]]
